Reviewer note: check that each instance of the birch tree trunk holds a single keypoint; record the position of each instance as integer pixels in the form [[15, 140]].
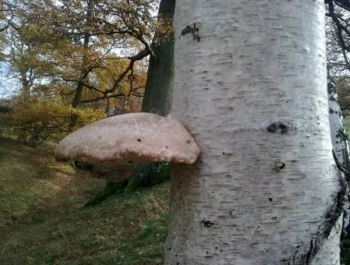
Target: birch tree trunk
[[250, 84], [340, 148], [338, 133]]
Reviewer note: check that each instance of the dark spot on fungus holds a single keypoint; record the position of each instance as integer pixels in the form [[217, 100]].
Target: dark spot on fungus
[[188, 141], [230, 212], [139, 140], [216, 247], [270, 199], [223, 153], [166, 147], [169, 248], [130, 162]]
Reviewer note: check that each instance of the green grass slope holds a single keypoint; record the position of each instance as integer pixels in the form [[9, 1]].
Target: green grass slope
[[347, 124], [43, 221]]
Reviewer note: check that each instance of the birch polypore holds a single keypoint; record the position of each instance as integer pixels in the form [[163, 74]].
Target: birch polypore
[[130, 138], [250, 84]]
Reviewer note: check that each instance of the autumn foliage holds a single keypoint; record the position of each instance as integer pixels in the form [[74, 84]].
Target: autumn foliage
[[36, 122], [76, 59]]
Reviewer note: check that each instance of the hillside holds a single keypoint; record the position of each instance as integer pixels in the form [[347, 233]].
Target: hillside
[[43, 219]]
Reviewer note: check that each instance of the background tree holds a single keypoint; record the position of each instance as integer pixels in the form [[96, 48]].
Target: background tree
[[157, 97], [81, 39], [338, 65], [338, 37]]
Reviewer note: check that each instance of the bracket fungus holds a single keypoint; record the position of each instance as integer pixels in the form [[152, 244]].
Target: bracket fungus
[[129, 139]]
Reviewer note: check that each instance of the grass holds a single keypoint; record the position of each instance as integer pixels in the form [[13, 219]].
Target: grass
[[34, 187], [43, 221], [347, 124]]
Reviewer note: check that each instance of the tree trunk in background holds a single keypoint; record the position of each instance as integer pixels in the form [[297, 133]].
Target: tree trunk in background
[[250, 84], [157, 98], [27, 79], [341, 153], [338, 133], [84, 72]]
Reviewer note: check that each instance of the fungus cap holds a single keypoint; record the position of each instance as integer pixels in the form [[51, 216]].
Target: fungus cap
[[130, 138]]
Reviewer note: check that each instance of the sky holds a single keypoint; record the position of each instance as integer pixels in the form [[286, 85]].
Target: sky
[[8, 84]]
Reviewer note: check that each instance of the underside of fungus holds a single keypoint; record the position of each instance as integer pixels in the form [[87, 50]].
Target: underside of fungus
[[130, 138]]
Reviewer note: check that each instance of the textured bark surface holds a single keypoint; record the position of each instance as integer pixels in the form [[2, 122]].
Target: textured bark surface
[[250, 85]]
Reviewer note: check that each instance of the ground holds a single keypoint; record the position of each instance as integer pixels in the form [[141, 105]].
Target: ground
[[43, 219]]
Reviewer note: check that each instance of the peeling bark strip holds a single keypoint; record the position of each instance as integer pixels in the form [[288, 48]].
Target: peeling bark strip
[[255, 57]]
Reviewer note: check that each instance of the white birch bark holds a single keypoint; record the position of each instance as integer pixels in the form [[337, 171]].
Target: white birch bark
[[338, 133], [250, 85], [340, 145]]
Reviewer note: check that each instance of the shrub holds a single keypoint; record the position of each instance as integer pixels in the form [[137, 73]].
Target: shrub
[[36, 122]]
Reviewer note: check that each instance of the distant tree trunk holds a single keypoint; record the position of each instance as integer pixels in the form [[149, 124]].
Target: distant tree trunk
[[157, 98], [338, 133], [250, 85], [27, 79], [341, 154], [84, 72]]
